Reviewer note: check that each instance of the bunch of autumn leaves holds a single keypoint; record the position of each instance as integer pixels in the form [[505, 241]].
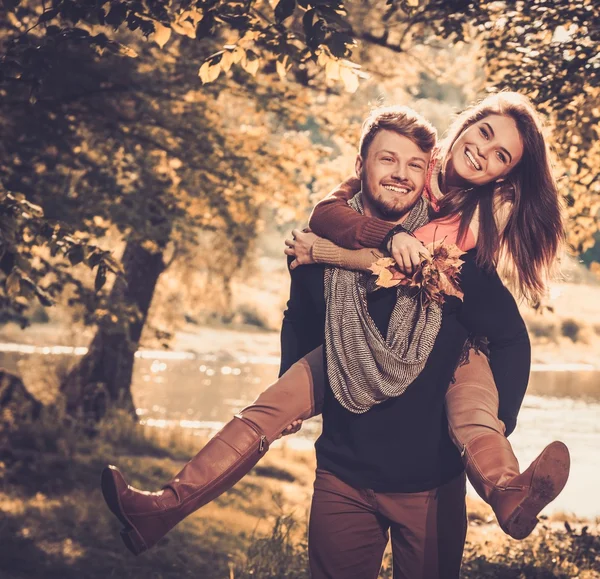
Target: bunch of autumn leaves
[[437, 277]]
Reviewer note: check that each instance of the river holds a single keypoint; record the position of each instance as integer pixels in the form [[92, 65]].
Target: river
[[201, 392]]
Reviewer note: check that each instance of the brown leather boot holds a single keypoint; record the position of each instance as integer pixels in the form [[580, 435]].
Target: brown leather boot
[[516, 498], [149, 516]]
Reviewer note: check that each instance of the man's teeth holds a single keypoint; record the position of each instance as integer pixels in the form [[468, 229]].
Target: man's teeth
[[396, 189], [473, 160]]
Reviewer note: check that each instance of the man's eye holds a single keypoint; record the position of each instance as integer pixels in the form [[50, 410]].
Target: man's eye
[[417, 166], [387, 159], [484, 133]]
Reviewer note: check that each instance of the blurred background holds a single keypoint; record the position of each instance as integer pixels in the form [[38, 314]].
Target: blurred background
[[153, 157]]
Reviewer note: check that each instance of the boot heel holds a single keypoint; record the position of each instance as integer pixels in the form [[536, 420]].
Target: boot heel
[[133, 541], [520, 524]]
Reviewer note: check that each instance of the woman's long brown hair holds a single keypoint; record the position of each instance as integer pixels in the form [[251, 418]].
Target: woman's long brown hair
[[534, 233]]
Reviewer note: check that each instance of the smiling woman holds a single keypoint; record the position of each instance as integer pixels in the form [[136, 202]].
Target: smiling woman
[[491, 186], [485, 152]]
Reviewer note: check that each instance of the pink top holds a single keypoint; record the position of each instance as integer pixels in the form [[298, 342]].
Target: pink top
[[446, 227]]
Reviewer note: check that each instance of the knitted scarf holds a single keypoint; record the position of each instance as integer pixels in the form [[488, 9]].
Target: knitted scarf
[[365, 368]]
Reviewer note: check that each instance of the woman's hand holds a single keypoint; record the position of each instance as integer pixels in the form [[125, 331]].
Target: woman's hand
[[407, 251], [292, 428], [300, 247]]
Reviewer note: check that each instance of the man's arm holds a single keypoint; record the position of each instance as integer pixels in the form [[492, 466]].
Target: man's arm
[[303, 320], [334, 219], [490, 310]]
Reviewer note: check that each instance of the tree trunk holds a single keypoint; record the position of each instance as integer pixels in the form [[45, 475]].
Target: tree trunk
[[103, 377]]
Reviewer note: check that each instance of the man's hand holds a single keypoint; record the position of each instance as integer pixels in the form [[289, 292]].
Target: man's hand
[[407, 251], [300, 247], [292, 428]]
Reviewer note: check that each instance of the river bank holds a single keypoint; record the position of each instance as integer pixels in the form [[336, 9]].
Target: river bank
[[549, 345], [53, 521]]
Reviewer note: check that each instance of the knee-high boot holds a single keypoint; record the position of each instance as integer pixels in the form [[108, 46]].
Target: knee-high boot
[[226, 458], [516, 498]]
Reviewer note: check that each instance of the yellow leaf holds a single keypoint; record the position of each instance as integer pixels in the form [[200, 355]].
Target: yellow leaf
[[185, 28], [281, 68], [238, 55], [412, 2], [251, 65], [13, 284], [381, 264], [349, 78], [194, 15], [127, 51], [386, 279], [161, 34], [226, 61], [332, 70], [203, 72], [208, 72]]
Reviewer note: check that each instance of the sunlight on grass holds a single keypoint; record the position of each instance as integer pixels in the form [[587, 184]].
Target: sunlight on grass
[[54, 523]]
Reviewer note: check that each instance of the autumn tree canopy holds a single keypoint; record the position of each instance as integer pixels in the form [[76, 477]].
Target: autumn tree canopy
[[154, 120]]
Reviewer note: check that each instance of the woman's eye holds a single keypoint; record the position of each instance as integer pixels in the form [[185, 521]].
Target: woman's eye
[[484, 133], [502, 157]]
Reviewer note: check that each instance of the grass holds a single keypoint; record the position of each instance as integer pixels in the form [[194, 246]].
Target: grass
[[53, 521]]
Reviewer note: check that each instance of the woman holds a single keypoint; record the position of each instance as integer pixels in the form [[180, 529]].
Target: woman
[[480, 183]]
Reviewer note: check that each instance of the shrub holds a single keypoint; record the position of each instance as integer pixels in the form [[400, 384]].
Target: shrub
[[276, 556]]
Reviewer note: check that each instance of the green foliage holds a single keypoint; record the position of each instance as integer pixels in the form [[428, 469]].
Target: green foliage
[[276, 556], [546, 49], [131, 145], [23, 232], [292, 32], [110, 134], [547, 554]]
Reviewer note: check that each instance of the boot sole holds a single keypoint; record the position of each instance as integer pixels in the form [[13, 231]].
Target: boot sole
[[549, 479], [132, 539]]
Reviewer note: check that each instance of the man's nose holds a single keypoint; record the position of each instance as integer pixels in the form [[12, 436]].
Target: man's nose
[[400, 172]]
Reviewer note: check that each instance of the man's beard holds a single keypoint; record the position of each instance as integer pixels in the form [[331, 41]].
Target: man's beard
[[389, 210]]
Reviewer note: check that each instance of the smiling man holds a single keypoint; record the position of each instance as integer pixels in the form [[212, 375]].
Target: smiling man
[[385, 463], [393, 169]]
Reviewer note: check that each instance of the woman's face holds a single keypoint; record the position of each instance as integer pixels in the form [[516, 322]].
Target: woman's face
[[487, 150]]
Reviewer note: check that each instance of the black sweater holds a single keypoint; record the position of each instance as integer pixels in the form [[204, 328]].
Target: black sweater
[[402, 445]]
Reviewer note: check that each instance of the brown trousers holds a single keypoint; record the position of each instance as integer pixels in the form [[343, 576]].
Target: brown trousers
[[349, 529], [352, 525]]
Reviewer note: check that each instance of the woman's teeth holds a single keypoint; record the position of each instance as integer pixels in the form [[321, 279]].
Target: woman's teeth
[[472, 160], [395, 189]]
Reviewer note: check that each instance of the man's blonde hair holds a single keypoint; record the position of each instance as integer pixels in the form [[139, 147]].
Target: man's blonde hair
[[402, 120]]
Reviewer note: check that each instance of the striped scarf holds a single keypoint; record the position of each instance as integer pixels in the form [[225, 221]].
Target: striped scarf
[[364, 368]]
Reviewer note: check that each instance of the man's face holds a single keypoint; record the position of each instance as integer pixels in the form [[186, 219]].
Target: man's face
[[393, 175]]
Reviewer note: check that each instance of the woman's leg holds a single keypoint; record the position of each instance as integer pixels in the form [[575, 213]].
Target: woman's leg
[[225, 459], [516, 498]]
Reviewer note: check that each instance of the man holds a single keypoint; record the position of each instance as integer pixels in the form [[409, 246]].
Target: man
[[389, 467]]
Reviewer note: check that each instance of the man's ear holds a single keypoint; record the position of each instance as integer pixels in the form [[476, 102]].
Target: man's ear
[[358, 166]]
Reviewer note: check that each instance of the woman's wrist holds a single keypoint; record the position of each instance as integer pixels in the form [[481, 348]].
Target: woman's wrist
[[325, 251], [386, 244]]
